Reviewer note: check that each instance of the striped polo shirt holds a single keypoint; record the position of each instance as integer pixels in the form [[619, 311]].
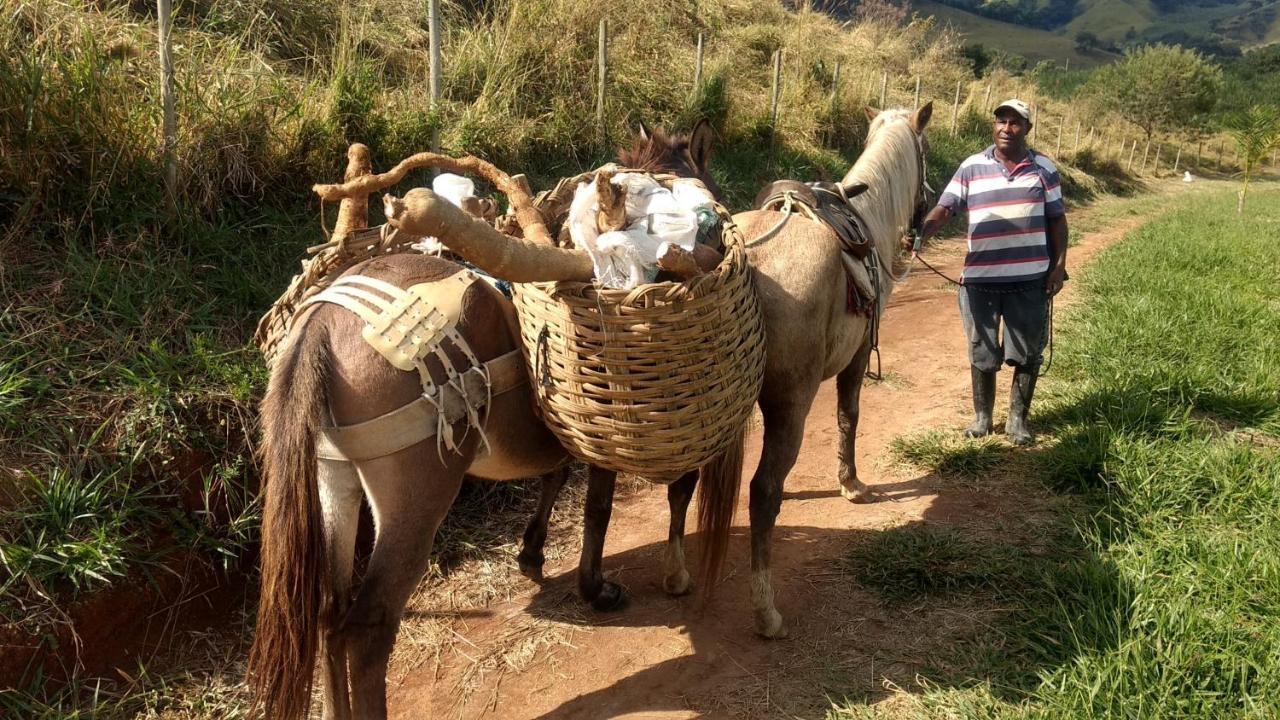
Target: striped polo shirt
[[1007, 212]]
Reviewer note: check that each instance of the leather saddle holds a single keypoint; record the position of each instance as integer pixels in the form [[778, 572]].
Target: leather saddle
[[827, 203]]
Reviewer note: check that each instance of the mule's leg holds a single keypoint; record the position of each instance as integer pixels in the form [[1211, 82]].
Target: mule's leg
[[340, 506], [848, 393], [675, 575], [602, 595], [783, 432], [531, 558], [409, 492]]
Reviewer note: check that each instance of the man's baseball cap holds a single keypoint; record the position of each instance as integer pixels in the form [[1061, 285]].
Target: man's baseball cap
[[1015, 105]]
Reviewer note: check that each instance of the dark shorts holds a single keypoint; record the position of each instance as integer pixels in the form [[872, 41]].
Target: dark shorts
[[1024, 310]]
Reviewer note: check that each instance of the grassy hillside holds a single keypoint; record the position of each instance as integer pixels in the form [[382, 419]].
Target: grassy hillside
[[1032, 43], [1118, 22]]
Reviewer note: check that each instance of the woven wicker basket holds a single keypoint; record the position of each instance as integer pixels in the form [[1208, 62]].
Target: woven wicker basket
[[654, 381], [318, 272]]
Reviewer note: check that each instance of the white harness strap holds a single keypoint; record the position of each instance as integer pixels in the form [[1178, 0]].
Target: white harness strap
[[417, 421], [408, 326]]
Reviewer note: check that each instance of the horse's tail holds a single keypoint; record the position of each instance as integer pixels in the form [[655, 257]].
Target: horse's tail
[[294, 574], [717, 497]]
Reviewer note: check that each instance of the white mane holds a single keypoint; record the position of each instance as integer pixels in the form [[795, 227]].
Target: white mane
[[890, 166]]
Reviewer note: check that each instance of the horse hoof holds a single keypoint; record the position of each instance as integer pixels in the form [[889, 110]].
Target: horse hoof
[[860, 496], [531, 566], [769, 624], [678, 584], [611, 598]]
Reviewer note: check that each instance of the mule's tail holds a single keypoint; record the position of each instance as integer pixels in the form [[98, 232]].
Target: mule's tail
[[294, 575], [717, 497]]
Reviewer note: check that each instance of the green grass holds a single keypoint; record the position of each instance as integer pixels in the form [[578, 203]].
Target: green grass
[[949, 453], [1032, 43], [1163, 417]]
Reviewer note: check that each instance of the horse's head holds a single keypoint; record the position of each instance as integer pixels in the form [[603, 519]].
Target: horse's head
[[683, 155], [916, 121]]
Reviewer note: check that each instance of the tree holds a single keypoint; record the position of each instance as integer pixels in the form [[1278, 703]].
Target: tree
[[1256, 131], [1086, 41], [1159, 87]]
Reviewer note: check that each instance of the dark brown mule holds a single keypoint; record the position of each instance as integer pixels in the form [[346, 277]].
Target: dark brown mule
[[687, 156], [327, 374]]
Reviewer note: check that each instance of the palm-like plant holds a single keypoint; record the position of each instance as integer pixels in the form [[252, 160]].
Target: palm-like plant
[[1256, 131]]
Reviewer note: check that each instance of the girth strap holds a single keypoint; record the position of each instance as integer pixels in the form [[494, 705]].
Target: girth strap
[[417, 421]]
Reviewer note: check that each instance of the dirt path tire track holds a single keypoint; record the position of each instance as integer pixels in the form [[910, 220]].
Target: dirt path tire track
[[541, 654]]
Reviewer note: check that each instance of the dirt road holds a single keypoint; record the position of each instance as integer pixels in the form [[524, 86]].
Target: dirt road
[[540, 654]]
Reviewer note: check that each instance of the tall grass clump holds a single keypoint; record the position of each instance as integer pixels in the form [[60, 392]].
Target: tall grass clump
[[1164, 409]]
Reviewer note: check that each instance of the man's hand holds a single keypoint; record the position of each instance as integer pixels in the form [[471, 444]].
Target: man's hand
[[1053, 283], [908, 242]]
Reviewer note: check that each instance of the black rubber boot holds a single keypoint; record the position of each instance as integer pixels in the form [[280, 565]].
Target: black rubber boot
[[984, 402], [1024, 386]]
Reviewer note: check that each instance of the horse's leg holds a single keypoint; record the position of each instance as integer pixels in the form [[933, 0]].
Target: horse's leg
[[602, 595], [340, 506], [409, 492], [783, 432], [531, 558], [676, 576], [848, 393]]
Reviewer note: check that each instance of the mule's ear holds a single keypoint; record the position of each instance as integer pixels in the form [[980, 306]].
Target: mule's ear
[[853, 188], [700, 143], [920, 117], [642, 131], [871, 113]]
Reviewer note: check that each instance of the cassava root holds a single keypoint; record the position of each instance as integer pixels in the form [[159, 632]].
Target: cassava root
[[422, 213]]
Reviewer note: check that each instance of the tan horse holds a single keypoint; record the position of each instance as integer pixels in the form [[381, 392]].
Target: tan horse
[[809, 334], [803, 290], [327, 374]]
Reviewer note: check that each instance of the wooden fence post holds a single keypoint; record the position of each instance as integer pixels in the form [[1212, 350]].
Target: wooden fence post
[[1146, 149], [1132, 151], [1089, 143], [917, 100], [697, 67], [1057, 150], [835, 84], [777, 89], [986, 103], [1076, 148], [602, 59], [884, 87], [955, 109], [1155, 166], [169, 130], [1177, 158], [1035, 114], [434, 69], [1220, 143]]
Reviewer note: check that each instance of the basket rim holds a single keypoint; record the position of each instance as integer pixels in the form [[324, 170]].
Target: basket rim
[[733, 263]]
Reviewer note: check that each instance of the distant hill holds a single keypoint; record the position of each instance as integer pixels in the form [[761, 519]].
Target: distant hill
[[1048, 29]]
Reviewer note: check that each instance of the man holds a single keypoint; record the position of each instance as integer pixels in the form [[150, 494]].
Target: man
[[1017, 260]]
